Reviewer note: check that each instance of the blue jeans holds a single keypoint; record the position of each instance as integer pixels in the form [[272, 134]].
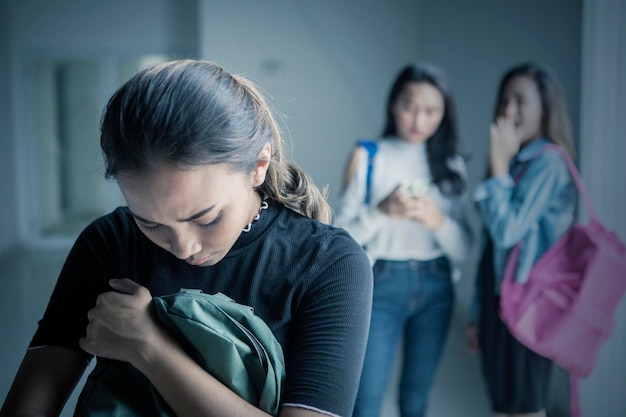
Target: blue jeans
[[414, 298]]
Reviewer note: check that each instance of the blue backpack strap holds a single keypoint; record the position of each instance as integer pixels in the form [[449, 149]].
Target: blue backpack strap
[[371, 147]]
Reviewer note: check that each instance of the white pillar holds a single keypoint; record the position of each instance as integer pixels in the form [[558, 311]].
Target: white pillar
[[603, 167]]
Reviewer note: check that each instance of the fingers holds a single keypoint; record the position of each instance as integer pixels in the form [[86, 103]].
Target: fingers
[[127, 286], [504, 144], [126, 294], [471, 339], [406, 206], [503, 128], [505, 121], [403, 206], [88, 345], [118, 321], [493, 131], [394, 204], [86, 342], [82, 342], [429, 214]]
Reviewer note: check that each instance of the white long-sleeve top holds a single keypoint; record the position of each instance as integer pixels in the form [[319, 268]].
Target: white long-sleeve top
[[393, 239]]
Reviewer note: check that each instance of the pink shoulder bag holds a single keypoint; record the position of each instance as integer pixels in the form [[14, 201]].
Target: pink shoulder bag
[[564, 311]]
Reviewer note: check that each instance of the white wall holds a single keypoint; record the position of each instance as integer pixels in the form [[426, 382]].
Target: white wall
[[8, 191], [603, 147], [57, 28], [327, 65]]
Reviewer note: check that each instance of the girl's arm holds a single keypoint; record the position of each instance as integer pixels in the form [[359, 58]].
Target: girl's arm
[[359, 219], [191, 391], [123, 326], [452, 230], [44, 381], [455, 235]]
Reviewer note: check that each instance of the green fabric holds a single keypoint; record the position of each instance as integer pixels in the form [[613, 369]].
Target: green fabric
[[224, 337], [229, 341]]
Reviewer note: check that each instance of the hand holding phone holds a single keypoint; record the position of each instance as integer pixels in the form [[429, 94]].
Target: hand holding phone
[[415, 187]]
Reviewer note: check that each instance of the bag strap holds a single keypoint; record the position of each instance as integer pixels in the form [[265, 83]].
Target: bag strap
[[574, 395], [372, 148], [582, 190], [509, 272]]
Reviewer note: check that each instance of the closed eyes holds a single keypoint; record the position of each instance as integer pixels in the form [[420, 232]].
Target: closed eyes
[[151, 227], [213, 222], [147, 227]]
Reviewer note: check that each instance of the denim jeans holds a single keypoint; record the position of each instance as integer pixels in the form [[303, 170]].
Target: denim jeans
[[413, 299]]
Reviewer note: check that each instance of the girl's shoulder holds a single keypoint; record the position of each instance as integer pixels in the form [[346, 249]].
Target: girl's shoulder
[[310, 235], [120, 220], [542, 150], [547, 154], [115, 229], [546, 164]]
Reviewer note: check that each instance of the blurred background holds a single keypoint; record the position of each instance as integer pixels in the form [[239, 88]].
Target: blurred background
[[326, 67]]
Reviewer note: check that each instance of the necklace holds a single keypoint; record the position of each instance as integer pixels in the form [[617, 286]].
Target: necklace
[[264, 205]]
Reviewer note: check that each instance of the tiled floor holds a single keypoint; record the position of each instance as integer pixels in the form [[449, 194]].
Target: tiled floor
[[27, 280]]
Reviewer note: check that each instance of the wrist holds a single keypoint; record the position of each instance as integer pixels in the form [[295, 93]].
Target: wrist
[[383, 207], [150, 349], [437, 222], [499, 168]]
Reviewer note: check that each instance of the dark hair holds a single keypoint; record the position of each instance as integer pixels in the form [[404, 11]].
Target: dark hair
[[555, 123], [442, 145], [189, 113]]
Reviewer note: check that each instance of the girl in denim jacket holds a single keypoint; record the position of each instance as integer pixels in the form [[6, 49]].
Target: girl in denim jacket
[[528, 198]]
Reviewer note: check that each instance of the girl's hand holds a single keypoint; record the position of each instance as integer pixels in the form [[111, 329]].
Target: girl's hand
[[403, 206], [398, 205], [504, 144], [471, 338], [122, 323], [427, 213]]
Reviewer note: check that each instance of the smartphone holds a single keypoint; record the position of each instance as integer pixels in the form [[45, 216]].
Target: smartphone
[[415, 187]]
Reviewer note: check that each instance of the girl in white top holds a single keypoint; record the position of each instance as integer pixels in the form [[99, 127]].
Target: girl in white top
[[411, 219]]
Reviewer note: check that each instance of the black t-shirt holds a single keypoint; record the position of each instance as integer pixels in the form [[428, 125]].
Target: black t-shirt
[[310, 282]]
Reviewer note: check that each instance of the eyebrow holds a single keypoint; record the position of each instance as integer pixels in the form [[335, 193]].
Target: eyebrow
[[188, 219]]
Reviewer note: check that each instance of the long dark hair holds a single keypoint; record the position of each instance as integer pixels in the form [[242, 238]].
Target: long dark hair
[[442, 145], [555, 122], [189, 113]]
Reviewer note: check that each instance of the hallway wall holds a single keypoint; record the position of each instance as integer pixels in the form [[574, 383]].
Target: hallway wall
[[71, 30], [8, 210], [602, 150]]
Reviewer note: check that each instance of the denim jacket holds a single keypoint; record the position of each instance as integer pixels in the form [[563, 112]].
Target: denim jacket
[[532, 206]]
